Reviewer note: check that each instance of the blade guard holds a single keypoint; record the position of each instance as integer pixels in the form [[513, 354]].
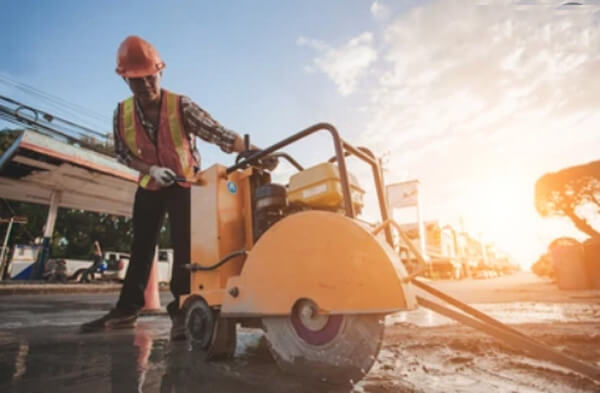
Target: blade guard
[[328, 258]]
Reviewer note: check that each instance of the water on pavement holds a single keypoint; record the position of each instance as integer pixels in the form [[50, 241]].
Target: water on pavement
[[41, 350]]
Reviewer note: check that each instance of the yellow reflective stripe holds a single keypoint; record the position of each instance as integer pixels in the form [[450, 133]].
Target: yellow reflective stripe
[[128, 117], [145, 180], [176, 131]]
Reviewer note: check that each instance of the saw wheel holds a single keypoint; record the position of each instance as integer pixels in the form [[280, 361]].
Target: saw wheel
[[207, 333], [333, 348]]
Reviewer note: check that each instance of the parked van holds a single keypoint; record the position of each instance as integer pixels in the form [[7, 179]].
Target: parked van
[[118, 262]]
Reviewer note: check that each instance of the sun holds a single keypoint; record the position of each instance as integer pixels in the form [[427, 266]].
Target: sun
[[501, 211]]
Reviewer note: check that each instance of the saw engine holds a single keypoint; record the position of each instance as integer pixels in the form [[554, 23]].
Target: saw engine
[[315, 188]]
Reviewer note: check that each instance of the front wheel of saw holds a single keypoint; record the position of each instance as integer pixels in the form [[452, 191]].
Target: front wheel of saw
[[334, 348], [206, 332]]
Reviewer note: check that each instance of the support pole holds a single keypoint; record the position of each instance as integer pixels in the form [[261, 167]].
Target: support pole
[[52, 213], [44, 254], [3, 253]]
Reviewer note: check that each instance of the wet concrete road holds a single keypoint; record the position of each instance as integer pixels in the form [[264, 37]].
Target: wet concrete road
[[41, 350]]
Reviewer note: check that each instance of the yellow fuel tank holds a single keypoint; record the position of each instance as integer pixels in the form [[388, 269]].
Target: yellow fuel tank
[[319, 187]]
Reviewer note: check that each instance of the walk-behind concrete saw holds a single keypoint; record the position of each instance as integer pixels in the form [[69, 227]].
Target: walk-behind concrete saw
[[295, 261]]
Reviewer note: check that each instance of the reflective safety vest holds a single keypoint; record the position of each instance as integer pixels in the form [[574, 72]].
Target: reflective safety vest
[[172, 147]]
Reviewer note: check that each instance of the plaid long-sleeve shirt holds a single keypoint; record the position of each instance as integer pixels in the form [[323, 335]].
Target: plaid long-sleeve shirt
[[196, 121]]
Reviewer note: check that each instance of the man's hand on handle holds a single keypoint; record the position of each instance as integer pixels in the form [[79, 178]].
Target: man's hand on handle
[[163, 176], [269, 162]]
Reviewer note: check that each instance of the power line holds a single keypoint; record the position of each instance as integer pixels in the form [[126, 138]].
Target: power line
[[48, 117], [55, 101], [51, 97], [24, 115]]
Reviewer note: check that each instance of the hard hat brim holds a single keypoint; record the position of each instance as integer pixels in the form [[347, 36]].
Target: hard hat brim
[[141, 72]]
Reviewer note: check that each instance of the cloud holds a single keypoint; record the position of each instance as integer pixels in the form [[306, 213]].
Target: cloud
[[487, 94], [477, 100], [379, 10], [469, 68], [346, 64]]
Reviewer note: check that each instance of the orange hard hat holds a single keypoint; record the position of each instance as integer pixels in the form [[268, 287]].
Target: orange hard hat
[[137, 58]]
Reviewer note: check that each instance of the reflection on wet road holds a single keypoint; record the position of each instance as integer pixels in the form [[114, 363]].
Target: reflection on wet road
[[140, 360], [41, 350]]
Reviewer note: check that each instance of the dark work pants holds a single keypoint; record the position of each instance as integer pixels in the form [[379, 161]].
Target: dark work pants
[[149, 211]]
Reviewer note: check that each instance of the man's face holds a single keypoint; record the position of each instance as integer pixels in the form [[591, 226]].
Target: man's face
[[146, 88]]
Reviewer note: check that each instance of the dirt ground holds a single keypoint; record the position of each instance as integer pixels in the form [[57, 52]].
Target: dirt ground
[[455, 359], [424, 352], [41, 349]]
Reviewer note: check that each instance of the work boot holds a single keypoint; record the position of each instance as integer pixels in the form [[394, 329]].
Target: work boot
[[114, 319], [178, 321]]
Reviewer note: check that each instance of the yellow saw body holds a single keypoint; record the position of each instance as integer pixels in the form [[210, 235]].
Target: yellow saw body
[[324, 256], [295, 261]]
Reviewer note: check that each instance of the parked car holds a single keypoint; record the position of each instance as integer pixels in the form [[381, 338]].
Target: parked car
[[118, 262], [116, 265], [76, 267]]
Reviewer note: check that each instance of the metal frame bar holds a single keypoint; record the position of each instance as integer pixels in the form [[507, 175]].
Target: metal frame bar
[[337, 144], [289, 159], [422, 264], [340, 147]]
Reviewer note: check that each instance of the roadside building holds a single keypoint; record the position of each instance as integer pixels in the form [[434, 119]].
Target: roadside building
[[441, 246]]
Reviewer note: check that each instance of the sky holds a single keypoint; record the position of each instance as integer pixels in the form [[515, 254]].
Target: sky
[[475, 99]]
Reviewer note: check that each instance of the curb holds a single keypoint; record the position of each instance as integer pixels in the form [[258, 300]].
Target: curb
[[40, 289], [49, 288]]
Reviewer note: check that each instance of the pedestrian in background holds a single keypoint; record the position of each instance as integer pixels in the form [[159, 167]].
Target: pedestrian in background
[[97, 260]]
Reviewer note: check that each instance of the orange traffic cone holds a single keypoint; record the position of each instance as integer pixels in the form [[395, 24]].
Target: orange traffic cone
[[151, 295]]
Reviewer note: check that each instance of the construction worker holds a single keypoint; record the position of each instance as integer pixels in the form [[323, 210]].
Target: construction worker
[[154, 133]]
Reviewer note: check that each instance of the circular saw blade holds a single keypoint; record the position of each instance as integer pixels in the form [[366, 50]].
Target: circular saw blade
[[342, 351]]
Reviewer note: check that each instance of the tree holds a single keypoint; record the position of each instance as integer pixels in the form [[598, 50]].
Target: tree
[[99, 146], [544, 267], [7, 137], [572, 192]]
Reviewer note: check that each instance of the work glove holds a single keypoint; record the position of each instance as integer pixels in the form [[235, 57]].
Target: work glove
[[163, 176]]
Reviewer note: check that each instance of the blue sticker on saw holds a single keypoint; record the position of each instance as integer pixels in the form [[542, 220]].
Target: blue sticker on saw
[[232, 187]]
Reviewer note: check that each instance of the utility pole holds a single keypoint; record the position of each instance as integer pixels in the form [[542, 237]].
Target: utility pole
[[484, 254], [3, 252]]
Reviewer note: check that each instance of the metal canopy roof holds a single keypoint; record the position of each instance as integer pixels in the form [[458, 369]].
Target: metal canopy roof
[[35, 166]]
